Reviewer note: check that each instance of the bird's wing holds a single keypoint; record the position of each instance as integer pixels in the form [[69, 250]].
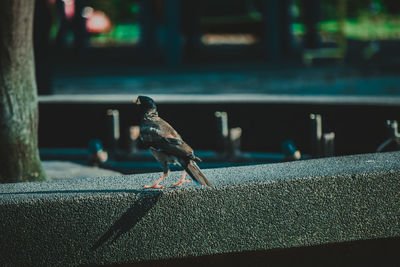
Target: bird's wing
[[160, 135]]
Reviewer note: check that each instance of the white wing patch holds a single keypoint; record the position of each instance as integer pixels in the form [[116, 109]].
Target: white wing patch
[[146, 133]]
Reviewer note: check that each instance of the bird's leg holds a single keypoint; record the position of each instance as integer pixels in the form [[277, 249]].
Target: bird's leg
[[156, 184], [164, 165], [182, 180]]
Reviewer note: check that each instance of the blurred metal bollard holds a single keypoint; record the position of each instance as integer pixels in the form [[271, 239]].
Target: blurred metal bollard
[[316, 135], [235, 136], [222, 142], [228, 140], [322, 144], [112, 129], [133, 137], [328, 144], [393, 141], [393, 128]]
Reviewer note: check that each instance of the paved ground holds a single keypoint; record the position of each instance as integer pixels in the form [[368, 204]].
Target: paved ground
[[333, 81], [59, 170]]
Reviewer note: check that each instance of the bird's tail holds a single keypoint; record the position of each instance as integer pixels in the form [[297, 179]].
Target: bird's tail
[[194, 171]]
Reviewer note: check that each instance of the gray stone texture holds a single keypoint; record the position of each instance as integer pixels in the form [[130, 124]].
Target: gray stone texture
[[109, 220]]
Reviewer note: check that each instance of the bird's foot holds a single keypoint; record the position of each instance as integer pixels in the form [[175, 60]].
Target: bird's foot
[[156, 186], [181, 182]]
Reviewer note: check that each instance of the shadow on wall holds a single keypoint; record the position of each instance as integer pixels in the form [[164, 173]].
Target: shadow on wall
[[130, 218]]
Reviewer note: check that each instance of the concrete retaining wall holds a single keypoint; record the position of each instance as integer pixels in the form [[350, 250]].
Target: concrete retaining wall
[[110, 220]]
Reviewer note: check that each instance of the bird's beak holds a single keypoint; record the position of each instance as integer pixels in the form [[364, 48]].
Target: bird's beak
[[136, 101]]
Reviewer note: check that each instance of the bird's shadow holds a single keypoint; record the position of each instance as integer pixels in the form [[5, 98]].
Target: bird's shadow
[[130, 218]]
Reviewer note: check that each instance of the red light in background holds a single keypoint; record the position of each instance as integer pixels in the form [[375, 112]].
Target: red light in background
[[97, 21], [69, 8]]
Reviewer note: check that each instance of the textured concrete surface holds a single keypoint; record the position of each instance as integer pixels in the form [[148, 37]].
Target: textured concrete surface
[[254, 208]]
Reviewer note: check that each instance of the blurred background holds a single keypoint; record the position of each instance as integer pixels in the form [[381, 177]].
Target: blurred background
[[276, 79]]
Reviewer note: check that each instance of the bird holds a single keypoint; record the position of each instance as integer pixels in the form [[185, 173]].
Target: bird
[[166, 145]]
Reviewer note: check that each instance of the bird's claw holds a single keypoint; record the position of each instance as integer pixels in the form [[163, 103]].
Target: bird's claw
[[156, 186], [181, 182]]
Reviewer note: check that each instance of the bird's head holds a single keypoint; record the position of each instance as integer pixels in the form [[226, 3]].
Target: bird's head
[[145, 104]]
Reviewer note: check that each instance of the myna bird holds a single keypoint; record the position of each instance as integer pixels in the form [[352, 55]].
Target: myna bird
[[166, 144]]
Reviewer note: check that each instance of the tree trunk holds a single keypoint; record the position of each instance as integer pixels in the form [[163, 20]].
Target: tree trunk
[[19, 156]]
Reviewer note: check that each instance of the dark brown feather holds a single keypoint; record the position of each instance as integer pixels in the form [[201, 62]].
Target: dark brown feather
[[165, 143], [159, 134], [194, 171]]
